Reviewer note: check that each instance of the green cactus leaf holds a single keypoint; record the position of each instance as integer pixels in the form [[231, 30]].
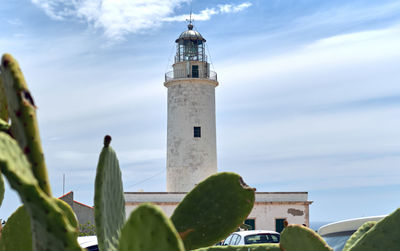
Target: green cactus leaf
[[383, 236], [50, 227], [17, 234], [3, 103], [148, 229], [253, 247], [109, 202], [225, 197], [300, 238], [358, 234], [68, 212], [4, 126], [1, 189], [22, 111]]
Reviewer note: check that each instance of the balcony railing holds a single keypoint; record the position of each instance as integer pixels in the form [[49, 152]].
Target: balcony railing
[[182, 74]]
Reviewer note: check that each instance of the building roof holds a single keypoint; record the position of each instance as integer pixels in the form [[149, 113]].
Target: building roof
[[71, 193], [190, 34]]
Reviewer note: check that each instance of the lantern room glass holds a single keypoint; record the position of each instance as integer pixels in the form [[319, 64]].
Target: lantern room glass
[[190, 50]]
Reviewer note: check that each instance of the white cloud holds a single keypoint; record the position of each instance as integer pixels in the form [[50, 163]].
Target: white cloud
[[206, 14], [229, 8], [120, 17]]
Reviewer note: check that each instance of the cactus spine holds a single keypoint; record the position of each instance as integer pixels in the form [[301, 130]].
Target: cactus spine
[[22, 111]]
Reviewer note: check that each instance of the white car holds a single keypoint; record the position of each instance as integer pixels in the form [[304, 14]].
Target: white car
[[252, 237], [88, 242], [337, 233]]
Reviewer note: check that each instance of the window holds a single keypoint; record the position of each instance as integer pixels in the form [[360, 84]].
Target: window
[[251, 223], [279, 225], [197, 132], [237, 240], [226, 242], [261, 238], [195, 71]]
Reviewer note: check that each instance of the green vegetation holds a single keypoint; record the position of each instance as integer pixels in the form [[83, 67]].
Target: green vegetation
[[209, 213]]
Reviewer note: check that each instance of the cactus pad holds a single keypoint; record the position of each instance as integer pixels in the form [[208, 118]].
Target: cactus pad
[[148, 229], [383, 236], [4, 126], [1, 189], [17, 234], [51, 229], [213, 209], [253, 247], [358, 234], [22, 111], [109, 202], [68, 212], [300, 238], [3, 102]]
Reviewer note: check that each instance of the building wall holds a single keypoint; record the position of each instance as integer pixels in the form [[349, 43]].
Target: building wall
[[292, 206], [191, 102], [83, 212], [265, 214]]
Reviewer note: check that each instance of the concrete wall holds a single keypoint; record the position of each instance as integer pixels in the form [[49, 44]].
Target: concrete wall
[[292, 206], [84, 213], [191, 102]]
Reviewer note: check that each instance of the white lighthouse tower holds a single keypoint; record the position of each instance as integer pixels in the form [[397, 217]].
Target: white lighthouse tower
[[191, 133]]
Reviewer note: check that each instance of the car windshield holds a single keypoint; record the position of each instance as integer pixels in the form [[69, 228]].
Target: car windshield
[[261, 238], [337, 240]]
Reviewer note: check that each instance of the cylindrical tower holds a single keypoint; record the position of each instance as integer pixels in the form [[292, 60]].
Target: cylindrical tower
[[191, 135]]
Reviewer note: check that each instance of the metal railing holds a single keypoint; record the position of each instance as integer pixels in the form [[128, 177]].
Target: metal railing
[[182, 74]]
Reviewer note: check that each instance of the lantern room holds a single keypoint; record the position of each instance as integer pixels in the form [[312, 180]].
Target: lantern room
[[190, 46]]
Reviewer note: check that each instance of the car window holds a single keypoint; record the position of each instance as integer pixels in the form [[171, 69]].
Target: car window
[[234, 238], [93, 248], [237, 240], [274, 238], [261, 238], [227, 240]]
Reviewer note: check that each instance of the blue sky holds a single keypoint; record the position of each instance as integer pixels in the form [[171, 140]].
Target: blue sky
[[309, 94]]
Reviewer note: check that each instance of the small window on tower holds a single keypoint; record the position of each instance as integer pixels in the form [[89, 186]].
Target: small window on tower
[[197, 132]]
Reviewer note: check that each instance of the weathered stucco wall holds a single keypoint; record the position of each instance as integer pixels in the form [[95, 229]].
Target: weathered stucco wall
[[292, 206], [191, 103], [84, 213]]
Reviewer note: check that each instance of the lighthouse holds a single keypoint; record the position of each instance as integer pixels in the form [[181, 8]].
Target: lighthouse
[[191, 142], [191, 129]]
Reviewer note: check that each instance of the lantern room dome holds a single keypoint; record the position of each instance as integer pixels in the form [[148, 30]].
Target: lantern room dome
[[190, 34]]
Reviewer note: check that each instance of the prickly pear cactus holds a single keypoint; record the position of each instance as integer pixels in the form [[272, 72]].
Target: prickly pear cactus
[[148, 229], [300, 238], [383, 236], [50, 227], [109, 202], [4, 126], [1, 189], [358, 234], [68, 212], [22, 111], [253, 247], [17, 234], [3, 102], [213, 209]]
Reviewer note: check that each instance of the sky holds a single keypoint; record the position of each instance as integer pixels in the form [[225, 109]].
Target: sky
[[308, 96]]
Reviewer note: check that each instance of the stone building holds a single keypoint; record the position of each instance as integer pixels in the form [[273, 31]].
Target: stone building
[[191, 142], [83, 212]]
